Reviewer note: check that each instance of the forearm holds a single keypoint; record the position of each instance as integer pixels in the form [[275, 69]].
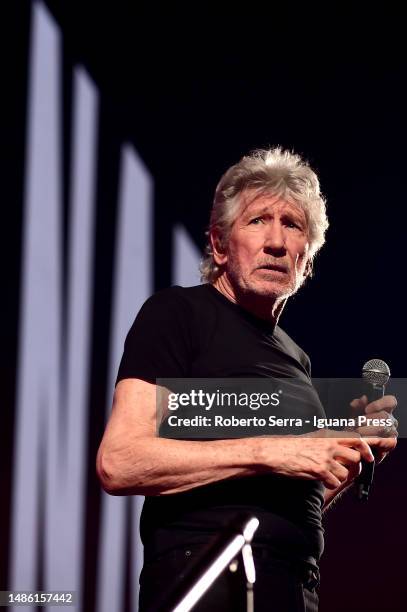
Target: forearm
[[130, 464], [159, 466]]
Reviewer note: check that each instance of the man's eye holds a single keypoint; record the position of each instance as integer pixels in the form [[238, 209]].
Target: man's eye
[[293, 225]]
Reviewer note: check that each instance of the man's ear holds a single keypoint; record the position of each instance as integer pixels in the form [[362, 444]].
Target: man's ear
[[308, 269], [219, 252]]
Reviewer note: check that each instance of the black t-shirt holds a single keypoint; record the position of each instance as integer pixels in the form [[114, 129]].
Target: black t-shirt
[[196, 332]]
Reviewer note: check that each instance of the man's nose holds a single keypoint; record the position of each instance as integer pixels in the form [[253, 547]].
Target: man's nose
[[275, 237]]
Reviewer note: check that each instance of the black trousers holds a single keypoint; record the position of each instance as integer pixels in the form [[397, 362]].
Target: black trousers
[[281, 585]]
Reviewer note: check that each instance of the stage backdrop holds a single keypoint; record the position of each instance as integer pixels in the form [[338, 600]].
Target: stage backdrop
[[120, 122]]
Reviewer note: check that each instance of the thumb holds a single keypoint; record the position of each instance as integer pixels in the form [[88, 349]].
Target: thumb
[[359, 403]]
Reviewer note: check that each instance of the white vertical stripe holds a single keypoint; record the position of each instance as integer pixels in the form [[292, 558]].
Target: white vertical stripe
[[40, 401], [132, 285], [66, 495], [186, 258], [38, 366]]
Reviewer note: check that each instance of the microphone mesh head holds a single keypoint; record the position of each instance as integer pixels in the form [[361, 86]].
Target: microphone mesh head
[[376, 372]]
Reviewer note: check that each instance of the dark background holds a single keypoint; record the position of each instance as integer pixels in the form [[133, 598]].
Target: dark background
[[194, 86]]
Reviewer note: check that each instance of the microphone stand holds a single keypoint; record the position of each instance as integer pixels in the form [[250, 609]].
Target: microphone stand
[[248, 564], [234, 539]]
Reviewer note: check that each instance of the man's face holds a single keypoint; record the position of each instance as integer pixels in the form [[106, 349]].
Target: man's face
[[267, 252]]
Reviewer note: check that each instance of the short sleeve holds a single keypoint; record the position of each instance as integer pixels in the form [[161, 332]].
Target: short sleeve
[[159, 343]]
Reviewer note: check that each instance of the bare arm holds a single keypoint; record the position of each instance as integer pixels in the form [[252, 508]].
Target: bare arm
[[133, 460]]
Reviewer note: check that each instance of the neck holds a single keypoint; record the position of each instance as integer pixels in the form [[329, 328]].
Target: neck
[[264, 307]]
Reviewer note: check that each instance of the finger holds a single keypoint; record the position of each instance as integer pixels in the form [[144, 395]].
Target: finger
[[387, 403], [385, 416], [351, 461], [359, 404], [330, 480], [381, 444], [339, 471], [354, 469], [369, 431], [347, 456], [381, 424], [360, 444]]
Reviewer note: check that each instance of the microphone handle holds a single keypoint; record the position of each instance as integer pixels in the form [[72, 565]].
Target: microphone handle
[[365, 478]]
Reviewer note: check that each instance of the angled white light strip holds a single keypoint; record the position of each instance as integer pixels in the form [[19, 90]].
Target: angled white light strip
[[211, 574], [248, 562], [66, 489], [132, 285], [186, 259], [250, 528], [239, 543], [51, 410], [40, 333]]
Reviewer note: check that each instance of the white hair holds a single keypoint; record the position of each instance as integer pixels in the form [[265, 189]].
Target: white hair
[[271, 171]]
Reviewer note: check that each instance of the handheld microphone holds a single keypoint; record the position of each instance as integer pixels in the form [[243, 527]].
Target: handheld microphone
[[376, 374]]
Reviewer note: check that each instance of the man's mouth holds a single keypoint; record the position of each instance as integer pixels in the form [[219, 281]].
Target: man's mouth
[[274, 268]]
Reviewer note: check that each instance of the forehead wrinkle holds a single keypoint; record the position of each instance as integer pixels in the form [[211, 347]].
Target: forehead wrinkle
[[268, 208]]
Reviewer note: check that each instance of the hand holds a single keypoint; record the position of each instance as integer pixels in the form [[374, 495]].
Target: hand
[[381, 446], [380, 409], [325, 456]]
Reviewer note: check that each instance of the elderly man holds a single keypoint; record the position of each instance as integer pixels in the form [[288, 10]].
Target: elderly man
[[268, 221]]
